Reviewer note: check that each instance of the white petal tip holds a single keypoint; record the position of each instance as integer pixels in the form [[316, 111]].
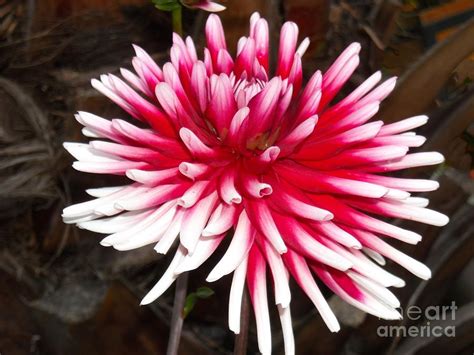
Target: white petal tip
[[328, 217], [209, 233], [119, 206], [160, 250], [399, 284], [438, 157], [146, 301], [182, 268], [183, 203], [442, 220], [424, 273], [214, 275], [211, 7], [130, 174]]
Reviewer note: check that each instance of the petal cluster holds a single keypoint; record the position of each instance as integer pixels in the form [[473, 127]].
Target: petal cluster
[[296, 181]]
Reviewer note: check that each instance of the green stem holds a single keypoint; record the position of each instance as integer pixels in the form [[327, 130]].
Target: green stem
[[177, 19]]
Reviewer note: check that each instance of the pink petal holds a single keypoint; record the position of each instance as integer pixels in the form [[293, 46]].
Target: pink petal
[[403, 125], [148, 235], [261, 42], [235, 130], [84, 209], [409, 161], [402, 210], [235, 297], [294, 205], [221, 220], [194, 171], [222, 105], [194, 193], [245, 59], [262, 107], [332, 231], [128, 234], [209, 6], [321, 148], [225, 63], [215, 36], [261, 217], [152, 197], [279, 273], [379, 93], [310, 180], [377, 244], [300, 271], [165, 145], [227, 189], [257, 284], [200, 83], [254, 187], [171, 233], [298, 135], [287, 328], [196, 146], [115, 224], [195, 220], [240, 244], [153, 178], [204, 249], [148, 61], [301, 50], [303, 243], [331, 74], [357, 157], [166, 280], [286, 51], [351, 217], [112, 167], [416, 185], [344, 287]]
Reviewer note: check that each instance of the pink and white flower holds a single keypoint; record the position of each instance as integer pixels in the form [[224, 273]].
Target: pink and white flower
[[292, 178], [206, 5]]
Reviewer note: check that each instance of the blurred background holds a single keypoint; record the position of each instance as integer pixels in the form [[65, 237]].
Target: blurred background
[[61, 293]]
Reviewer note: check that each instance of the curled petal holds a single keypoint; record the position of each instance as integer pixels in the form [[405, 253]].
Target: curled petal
[[227, 189]]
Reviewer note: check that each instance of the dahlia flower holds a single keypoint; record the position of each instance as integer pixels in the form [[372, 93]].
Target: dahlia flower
[[224, 148]]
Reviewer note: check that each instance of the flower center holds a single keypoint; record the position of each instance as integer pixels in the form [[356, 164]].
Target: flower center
[[245, 89]]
